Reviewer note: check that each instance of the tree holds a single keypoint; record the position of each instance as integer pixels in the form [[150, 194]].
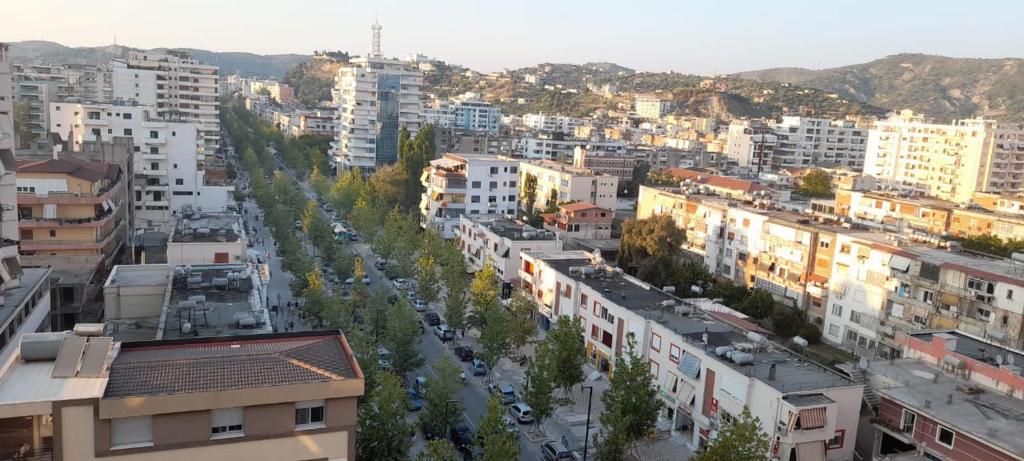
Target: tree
[[540, 384], [759, 304], [440, 450], [22, 121], [347, 189], [739, 438], [521, 325], [815, 183], [437, 398], [455, 302], [497, 442], [730, 294], [528, 196], [427, 278], [311, 218], [567, 353], [631, 404], [551, 205], [650, 245], [688, 274], [319, 183], [383, 432], [495, 340], [483, 290], [403, 338]]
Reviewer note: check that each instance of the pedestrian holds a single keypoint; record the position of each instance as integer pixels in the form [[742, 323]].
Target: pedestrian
[[565, 442]]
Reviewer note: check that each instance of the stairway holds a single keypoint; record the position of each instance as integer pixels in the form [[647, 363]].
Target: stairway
[[870, 397]]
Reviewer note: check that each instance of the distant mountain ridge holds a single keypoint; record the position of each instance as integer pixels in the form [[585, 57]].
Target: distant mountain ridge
[[246, 64], [941, 87]]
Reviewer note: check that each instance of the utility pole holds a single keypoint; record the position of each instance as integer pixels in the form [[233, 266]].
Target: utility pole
[[586, 432]]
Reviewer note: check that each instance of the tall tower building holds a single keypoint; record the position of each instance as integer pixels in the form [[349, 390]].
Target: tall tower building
[[179, 87], [376, 97]]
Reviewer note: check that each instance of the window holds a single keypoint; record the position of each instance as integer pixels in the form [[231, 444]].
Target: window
[[494, 170], [655, 342], [226, 422], [945, 436], [837, 310], [309, 414], [153, 134], [833, 330], [583, 300], [126, 116], [594, 331], [673, 353], [127, 131], [131, 432], [474, 199], [836, 442], [907, 421], [53, 233], [655, 369], [476, 184], [1009, 294], [179, 182]]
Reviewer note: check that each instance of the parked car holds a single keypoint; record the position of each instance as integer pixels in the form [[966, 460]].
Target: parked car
[[555, 451], [521, 412], [510, 425], [503, 390], [420, 305], [464, 353], [461, 435], [349, 281], [432, 319], [366, 280], [444, 332], [400, 284], [478, 367], [298, 225], [415, 402], [384, 358]]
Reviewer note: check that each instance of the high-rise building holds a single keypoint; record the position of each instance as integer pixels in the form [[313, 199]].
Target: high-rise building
[[376, 97], [39, 84], [556, 183], [170, 163], [751, 145], [806, 141], [177, 86], [467, 184], [651, 106], [914, 156]]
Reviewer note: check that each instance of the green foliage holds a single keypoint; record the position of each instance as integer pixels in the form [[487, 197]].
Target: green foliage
[[497, 442], [439, 392], [567, 353], [992, 245], [631, 404], [453, 273], [427, 279], [528, 194], [483, 290], [759, 304], [739, 438], [21, 120], [521, 325], [383, 432], [540, 383], [403, 338], [313, 80], [495, 338], [649, 245], [440, 450], [816, 184]]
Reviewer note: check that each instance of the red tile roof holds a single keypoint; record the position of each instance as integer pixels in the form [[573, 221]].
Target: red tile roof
[[578, 206], [87, 170], [716, 181]]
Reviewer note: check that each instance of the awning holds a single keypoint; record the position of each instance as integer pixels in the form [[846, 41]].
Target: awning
[[900, 263], [811, 451], [690, 365], [812, 418]]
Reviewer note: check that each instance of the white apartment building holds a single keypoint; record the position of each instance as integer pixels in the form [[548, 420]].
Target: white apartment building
[[465, 114], [467, 184], [651, 106], [175, 85], [169, 162], [825, 142], [41, 84], [704, 369], [500, 240], [376, 97], [441, 114], [546, 122], [24, 293], [752, 146], [280, 92], [544, 146], [567, 183], [915, 156]]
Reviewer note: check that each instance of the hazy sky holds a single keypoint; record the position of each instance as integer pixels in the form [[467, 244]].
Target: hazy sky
[[704, 37]]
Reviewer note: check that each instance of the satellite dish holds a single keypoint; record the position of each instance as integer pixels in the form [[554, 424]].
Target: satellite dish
[[999, 360], [1009, 359]]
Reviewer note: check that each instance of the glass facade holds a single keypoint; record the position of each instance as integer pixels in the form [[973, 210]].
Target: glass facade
[[388, 94]]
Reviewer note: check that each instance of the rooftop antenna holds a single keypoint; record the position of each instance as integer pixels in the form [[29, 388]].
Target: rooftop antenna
[[376, 39]]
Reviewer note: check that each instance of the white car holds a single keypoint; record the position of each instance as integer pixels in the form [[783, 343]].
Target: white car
[[401, 284], [420, 305], [444, 332], [521, 412]]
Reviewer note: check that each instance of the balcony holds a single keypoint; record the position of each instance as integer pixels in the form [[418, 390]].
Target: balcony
[[158, 141], [48, 223], [67, 198]]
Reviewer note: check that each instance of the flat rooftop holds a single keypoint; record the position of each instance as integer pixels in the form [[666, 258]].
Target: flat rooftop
[[208, 227], [562, 167], [30, 279], [793, 372], [972, 263], [135, 275], [989, 415], [182, 366], [974, 348], [511, 229]]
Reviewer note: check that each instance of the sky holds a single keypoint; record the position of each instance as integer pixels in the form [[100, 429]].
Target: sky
[[702, 37]]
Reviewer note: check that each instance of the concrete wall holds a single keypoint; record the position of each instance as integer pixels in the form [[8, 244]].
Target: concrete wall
[[125, 300], [199, 253]]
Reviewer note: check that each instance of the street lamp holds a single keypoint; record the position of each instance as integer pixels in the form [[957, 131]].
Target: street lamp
[[447, 427], [586, 432]]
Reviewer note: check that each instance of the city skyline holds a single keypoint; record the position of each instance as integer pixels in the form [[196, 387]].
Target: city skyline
[[688, 38]]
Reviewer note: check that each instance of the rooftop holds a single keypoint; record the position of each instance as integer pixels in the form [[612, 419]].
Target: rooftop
[[47, 379], [13, 297], [86, 170], [208, 227], [990, 416], [975, 349], [510, 229], [181, 366], [688, 320], [562, 167]]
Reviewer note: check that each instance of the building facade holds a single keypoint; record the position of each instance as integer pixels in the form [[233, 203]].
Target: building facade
[[498, 241], [467, 184], [752, 146], [651, 106], [825, 142], [558, 183]]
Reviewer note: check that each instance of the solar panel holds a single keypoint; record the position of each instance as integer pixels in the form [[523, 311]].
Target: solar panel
[[95, 357], [70, 354]]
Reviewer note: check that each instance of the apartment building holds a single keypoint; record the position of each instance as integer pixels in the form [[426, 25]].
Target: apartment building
[[24, 292], [376, 98], [752, 146], [467, 112], [580, 220], [823, 141], [498, 241], [954, 397], [705, 368], [284, 396], [170, 160], [651, 106], [552, 146], [620, 164], [175, 85], [552, 123], [467, 184], [702, 181], [42, 83], [558, 183], [915, 156], [280, 92], [460, 141], [208, 238]]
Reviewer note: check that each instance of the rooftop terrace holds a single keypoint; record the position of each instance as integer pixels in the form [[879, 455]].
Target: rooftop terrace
[[208, 227], [510, 229]]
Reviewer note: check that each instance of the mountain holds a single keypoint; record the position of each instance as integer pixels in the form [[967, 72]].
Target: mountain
[[938, 86], [246, 64]]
